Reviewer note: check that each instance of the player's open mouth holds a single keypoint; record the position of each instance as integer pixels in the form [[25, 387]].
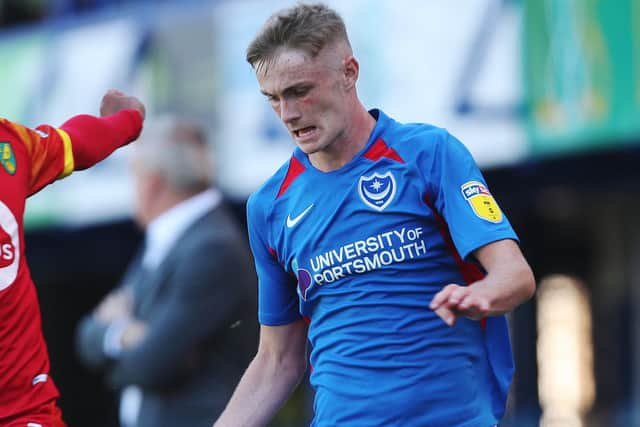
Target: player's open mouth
[[304, 132]]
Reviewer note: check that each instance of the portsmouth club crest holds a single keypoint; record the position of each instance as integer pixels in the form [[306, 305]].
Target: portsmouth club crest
[[377, 190]]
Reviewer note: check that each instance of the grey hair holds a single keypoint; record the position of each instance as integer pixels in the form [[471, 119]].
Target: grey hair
[[177, 149], [309, 27]]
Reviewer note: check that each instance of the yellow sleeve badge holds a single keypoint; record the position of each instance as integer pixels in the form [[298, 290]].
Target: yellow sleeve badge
[[481, 201], [7, 159]]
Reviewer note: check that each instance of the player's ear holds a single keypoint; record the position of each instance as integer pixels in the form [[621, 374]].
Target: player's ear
[[156, 182], [351, 69]]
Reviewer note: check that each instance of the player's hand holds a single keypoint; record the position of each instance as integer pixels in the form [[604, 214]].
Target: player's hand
[[454, 301], [116, 305], [114, 101]]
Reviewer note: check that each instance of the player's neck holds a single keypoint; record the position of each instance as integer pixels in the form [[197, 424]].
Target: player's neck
[[347, 145]]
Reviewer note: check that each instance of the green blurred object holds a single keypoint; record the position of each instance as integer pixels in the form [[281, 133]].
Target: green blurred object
[[23, 59], [582, 73]]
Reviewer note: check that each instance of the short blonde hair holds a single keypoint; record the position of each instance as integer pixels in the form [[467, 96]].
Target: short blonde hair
[[309, 27]]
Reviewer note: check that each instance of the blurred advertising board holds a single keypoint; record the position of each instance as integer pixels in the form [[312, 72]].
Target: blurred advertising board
[[452, 64], [62, 68], [50, 74], [582, 74]]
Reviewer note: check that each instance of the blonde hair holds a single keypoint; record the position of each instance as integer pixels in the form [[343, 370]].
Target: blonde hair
[[309, 27]]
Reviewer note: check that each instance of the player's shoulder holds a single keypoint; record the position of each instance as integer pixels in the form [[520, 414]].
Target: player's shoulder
[[413, 136], [7, 127], [6, 123], [22, 134], [267, 193]]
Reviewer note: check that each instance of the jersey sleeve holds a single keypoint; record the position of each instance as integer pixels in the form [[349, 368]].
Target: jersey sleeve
[[48, 150], [277, 298], [79, 143], [464, 200], [93, 138]]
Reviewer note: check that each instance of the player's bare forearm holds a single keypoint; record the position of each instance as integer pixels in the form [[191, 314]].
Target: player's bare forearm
[[262, 391], [508, 283], [270, 378]]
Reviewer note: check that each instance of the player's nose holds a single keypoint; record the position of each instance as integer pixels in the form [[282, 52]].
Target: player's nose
[[289, 111]]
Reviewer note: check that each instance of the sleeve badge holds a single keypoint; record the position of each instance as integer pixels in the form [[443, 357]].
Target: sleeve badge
[[7, 159], [481, 201]]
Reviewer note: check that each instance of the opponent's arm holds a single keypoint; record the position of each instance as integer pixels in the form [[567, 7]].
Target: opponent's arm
[[82, 141], [270, 378], [94, 138], [508, 283]]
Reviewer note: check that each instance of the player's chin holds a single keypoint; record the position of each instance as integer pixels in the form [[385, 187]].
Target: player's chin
[[309, 147]]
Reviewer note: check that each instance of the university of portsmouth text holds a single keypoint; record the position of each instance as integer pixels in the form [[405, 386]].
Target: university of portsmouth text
[[368, 254]]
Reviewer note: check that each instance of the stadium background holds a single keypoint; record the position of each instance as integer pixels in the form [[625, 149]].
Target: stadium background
[[545, 93]]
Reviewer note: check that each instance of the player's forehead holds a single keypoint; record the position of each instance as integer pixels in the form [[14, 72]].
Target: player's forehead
[[291, 67]]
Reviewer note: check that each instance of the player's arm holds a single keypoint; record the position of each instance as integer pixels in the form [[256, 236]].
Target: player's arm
[[94, 138], [81, 141], [270, 378], [508, 283]]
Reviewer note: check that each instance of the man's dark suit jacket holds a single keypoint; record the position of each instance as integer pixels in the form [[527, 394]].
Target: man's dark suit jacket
[[202, 331]]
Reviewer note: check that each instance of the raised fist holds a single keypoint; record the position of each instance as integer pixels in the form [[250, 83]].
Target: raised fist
[[114, 101]]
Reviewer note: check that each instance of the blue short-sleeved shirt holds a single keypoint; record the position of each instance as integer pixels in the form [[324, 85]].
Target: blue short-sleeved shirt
[[361, 251]]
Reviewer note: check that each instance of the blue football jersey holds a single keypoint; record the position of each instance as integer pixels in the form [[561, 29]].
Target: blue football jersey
[[361, 251]]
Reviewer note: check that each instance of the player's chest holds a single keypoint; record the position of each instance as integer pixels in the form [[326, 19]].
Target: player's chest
[[13, 181], [347, 217], [14, 176]]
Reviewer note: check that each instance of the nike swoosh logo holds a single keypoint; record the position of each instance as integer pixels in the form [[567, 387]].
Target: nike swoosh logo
[[291, 222]]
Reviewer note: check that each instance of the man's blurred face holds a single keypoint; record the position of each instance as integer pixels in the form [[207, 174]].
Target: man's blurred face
[[143, 192], [308, 95]]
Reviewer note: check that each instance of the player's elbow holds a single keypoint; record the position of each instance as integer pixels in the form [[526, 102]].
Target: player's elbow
[[297, 368], [527, 282], [293, 372], [288, 367]]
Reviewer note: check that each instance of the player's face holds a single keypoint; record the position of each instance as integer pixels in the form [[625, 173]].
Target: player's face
[[309, 95]]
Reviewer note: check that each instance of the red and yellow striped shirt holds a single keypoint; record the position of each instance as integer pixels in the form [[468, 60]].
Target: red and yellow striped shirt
[[29, 160]]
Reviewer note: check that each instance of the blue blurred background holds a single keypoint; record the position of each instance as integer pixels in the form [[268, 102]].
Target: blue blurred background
[[545, 93]]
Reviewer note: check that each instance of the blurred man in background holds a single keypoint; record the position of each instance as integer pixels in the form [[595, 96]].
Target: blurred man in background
[[30, 159], [400, 252], [178, 332]]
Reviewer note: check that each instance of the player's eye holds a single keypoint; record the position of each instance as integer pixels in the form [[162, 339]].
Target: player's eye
[[271, 99], [301, 91]]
